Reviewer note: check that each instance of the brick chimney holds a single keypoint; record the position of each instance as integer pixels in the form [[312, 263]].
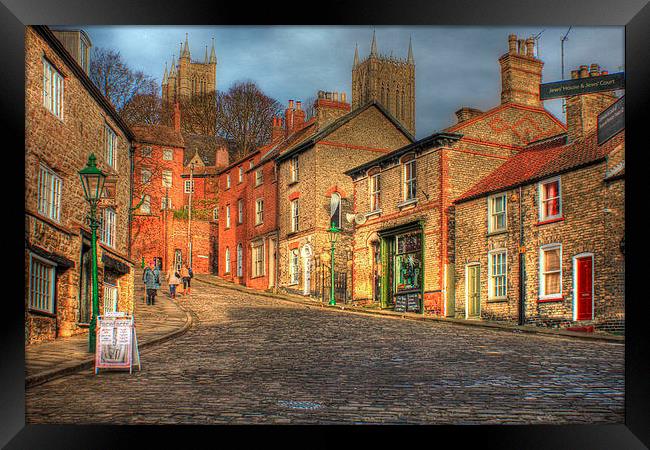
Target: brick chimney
[[582, 110], [521, 73], [288, 119], [177, 117], [466, 113], [329, 107], [298, 116], [222, 158], [277, 131]]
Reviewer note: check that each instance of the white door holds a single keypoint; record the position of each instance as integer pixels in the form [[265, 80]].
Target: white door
[[271, 263]]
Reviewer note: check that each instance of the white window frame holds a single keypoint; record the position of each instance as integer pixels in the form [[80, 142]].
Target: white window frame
[[293, 169], [188, 186], [228, 181], [240, 260], [541, 274], [240, 176], [109, 228], [145, 207], [250, 164], [374, 188], [541, 200], [50, 186], [490, 276], [259, 211], [258, 263], [259, 177], [166, 203], [227, 262], [168, 154], [492, 214], [411, 181], [215, 214], [111, 297], [240, 211], [146, 179], [53, 89], [294, 264], [228, 216], [47, 299], [295, 216], [167, 178], [110, 146]]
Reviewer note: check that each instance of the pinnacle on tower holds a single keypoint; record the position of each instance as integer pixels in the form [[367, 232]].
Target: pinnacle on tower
[[410, 58], [356, 55], [213, 58], [172, 70], [205, 61], [186, 48], [165, 74], [373, 45]]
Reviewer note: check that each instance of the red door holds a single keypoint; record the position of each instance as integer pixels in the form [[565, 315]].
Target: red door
[[585, 283]]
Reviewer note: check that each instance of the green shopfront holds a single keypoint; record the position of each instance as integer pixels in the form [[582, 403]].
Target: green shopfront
[[401, 271]]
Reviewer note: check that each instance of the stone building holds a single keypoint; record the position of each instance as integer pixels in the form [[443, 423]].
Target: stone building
[[67, 119], [407, 196], [540, 240], [313, 189], [386, 80], [187, 78], [169, 168]]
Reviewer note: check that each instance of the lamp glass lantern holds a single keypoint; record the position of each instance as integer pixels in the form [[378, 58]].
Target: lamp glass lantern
[[92, 180]]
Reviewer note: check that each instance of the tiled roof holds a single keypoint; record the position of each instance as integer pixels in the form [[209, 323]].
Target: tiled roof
[[308, 130], [206, 146], [158, 134], [540, 160]]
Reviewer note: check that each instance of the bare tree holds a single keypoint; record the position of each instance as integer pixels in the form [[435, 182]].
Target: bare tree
[[244, 116], [199, 114], [143, 109], [122, 85], [310, 109]]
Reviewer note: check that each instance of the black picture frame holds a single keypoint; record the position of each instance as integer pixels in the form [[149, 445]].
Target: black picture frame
[[633, 14]]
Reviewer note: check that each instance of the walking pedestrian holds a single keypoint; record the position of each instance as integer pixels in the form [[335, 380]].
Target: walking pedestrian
[[151, 282], [173, 278], [186, 276]]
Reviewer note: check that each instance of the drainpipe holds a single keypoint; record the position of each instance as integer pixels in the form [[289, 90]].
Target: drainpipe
[[130, 210], [522, 265]]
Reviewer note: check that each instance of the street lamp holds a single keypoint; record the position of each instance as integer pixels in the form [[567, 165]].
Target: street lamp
[[92, 180], [334, 232]]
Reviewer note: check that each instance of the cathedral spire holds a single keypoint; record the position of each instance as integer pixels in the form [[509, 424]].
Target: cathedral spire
[[172, 70], [186, 48], [356, 55], [213, 58], [373, 45], [165, 74], [410, 58], [205, 61]]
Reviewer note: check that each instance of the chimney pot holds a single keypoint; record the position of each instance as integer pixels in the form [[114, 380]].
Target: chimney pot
[[290, 104], [512, 43], [584, 71], [575, 74], [336, 96], [298, 104], [343, 97]]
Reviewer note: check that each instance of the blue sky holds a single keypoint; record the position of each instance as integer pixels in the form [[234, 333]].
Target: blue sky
[[455, 66]]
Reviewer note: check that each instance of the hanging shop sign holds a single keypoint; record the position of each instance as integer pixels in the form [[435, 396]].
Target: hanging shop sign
[[579, 86], [117, 343], [611, 121]]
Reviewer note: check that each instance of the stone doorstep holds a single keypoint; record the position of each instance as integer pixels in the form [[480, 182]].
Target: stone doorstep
[[413, 316], [43, 377]]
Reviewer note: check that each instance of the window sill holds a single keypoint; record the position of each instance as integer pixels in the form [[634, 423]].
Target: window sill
[[406, 203], [496, 233], [293, 284], [258, 224], [292, 233], [497, 300], [38, 312], [83, 325], [291, 183], [376, 212], [257, 276], [550, 299], [547, 221]]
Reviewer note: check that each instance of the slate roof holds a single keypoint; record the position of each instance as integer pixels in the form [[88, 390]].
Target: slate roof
[[158, 135], [542, 159]]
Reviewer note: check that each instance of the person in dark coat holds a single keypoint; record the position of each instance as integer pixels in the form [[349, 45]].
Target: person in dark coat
[[151, 278]]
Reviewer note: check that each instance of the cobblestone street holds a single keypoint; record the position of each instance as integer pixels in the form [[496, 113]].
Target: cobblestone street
[[252, 359]]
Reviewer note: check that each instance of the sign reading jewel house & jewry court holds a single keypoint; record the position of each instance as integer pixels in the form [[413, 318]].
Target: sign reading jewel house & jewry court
[[578, 86]]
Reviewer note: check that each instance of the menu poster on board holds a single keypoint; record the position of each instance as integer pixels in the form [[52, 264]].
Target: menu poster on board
[[413, 303], [400, 303], [116, 343]]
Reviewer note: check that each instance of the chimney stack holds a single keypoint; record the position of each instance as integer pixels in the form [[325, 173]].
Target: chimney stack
[[466, 113], [521, 73], [330, 106], [177, 117], [222, 158], [582, 110]]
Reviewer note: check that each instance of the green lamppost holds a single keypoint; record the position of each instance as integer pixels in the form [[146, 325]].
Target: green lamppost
[[92, 180], [334, 232]]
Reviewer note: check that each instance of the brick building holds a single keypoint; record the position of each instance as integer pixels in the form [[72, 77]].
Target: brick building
[[170, 167], [67, 118], [540, 240], [404, 249], [312, 185]]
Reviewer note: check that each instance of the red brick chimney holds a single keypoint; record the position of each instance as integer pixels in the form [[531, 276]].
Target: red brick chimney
[[288, 119], [298, 116], [329, 107], [177, 117], [582, 110], [222, 157], [521, 73], [277, 130]]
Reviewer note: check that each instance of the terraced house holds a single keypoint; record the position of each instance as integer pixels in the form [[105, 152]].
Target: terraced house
[[541, 239], [67, 119], [404, 247]]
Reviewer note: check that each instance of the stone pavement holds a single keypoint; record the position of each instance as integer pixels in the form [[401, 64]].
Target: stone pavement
[[47, 360], [253, 359]]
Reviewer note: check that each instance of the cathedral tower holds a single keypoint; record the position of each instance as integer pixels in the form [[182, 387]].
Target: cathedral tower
[[388, 80], [187, 78]]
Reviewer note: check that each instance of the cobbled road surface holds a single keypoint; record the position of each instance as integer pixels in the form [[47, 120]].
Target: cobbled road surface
[[252, 359]]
